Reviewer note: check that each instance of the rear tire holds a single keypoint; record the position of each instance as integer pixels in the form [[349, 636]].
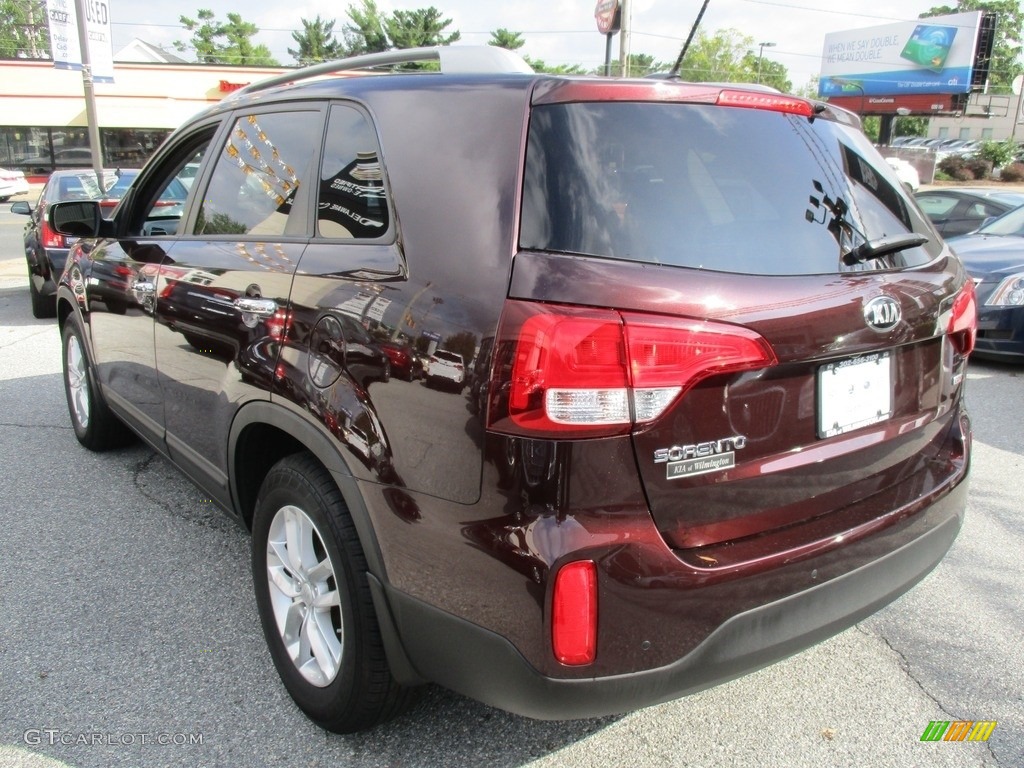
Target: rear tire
[[95, 426], [43, 307], [309, 572]]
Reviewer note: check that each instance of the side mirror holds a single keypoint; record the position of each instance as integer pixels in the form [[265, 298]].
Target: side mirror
[[22, 207], [77, 218]]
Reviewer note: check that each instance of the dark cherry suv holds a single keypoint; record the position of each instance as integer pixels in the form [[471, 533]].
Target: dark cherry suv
[[717, 363]]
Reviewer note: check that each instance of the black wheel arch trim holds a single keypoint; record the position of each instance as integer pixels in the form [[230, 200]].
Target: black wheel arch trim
[[322, 446], [325, 450]]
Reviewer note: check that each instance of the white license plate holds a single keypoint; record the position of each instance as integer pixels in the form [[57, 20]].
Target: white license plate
[[854, 393]]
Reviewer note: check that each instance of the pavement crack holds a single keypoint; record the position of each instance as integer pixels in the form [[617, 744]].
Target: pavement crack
[[138, 470], [19, 425], [905, 665]]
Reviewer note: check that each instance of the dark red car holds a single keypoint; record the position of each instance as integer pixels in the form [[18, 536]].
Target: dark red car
[[404, 363], [716, 405]]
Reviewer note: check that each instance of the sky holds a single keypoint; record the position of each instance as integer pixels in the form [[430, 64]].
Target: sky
[[556, 31]]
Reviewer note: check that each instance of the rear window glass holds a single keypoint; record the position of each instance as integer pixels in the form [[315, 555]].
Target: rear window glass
[[726, 189]]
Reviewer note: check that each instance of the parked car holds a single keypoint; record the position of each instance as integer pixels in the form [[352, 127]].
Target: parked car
[[905, 172], [723, 417], [959, 210], [46, 250], [994, 257], [172, 200], [404, 363], [12, 183], [446, 369]]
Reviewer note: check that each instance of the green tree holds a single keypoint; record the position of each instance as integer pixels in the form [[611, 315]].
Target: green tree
[[316, 42], [239, 48], [418, 28], [999, 153], [504, 38], [640, 64], [24, 32], [767, 72], [205, 32], [727, 56], [216, 42], [872, 127], [1009, 34], [366, 32], [371, 31], [910, 126], [539, 65]]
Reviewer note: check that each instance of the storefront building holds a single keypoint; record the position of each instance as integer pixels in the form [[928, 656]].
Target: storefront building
[[43, 122]]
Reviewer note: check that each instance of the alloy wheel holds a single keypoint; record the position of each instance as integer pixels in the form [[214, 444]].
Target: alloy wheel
[[304, 596]]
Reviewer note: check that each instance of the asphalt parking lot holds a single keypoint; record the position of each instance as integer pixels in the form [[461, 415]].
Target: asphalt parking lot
[[129, 633]]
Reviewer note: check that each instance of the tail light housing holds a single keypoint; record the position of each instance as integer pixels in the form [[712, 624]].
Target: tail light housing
[[574, 613], [49, 238], [562, 371], [963, 321]]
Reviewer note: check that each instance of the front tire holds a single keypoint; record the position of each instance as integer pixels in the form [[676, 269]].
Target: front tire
[[95, 426], [314, 600]]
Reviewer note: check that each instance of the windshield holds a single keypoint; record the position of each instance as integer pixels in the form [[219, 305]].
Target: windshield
[[719, 188], [1009, 224]]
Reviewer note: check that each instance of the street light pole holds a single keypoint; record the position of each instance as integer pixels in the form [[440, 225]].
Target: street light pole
[[760, 56]]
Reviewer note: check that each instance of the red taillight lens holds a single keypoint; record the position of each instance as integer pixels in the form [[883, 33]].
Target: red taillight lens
[[277, 325], [668, 355], [579, 372], [568, 371], [574, 613], [770, 101], [963, 324], [50, 238]]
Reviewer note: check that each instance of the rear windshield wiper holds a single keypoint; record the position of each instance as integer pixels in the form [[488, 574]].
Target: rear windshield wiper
[[882, 246]]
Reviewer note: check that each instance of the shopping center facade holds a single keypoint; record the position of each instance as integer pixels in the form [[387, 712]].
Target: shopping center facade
[[43, 123]]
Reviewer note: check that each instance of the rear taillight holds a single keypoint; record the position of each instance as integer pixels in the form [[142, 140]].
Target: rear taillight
[[50, 238], [574, 613], [963, 323], [582, 372], [277, 325]]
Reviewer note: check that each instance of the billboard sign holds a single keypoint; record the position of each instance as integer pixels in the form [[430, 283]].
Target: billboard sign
[[934, 55]]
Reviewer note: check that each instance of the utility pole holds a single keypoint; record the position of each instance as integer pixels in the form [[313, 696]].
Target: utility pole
[[90, 95], [624, 10]]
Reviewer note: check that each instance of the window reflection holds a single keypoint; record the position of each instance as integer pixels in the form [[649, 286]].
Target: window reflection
[[352, 199], [258, 173]]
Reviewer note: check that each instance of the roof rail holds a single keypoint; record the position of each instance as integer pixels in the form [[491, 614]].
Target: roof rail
[[460, 59]]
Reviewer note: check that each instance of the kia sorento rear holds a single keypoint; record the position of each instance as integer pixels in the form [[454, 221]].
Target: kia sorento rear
[[726, 387]]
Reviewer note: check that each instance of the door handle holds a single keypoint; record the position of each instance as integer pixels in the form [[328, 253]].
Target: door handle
[[258, 307]]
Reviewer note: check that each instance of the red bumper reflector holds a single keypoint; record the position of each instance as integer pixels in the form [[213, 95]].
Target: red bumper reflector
[[574, 613]]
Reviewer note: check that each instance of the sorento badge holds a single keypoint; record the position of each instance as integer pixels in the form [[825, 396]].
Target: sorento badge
[[700, 458]]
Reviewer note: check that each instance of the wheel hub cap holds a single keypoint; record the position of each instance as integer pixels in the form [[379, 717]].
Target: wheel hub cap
[[304, 595]]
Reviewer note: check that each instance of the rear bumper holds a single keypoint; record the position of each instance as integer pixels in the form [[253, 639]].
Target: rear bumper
[[481, 664]]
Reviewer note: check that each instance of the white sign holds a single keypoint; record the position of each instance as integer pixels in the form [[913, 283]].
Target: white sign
[[933, 55], [64, 45]]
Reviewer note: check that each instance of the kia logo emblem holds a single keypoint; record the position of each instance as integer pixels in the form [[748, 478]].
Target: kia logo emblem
[[882, 313]]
